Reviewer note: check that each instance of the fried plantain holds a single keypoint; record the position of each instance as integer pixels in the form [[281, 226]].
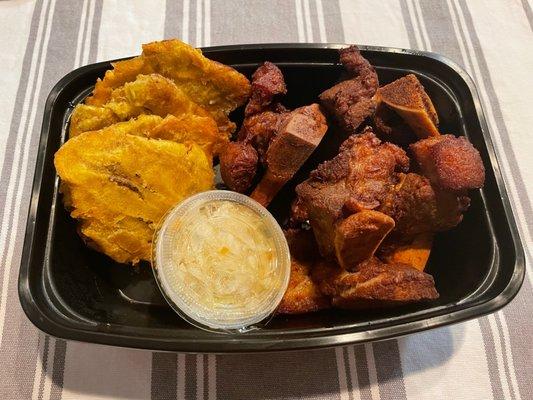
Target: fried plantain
[[216, 87], [119, 186]]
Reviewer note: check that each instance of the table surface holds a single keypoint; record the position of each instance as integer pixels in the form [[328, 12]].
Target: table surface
[[40, 41]]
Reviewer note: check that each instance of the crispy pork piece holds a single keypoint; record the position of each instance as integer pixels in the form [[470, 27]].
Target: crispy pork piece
[[267, 83], [299, 134], [282, 139], [360, 177], [351, 101], [299, 214], [414, 252], [359, 235], [451, 163], [303, 294], [238, 166], [390, 127], [118, 186], [214, 86], [370, 175], [261, 124], [407, 97], [417, 207], [259, 129], [374, 285]]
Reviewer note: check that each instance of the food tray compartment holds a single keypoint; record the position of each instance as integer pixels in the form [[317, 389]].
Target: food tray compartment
[[71, 291]]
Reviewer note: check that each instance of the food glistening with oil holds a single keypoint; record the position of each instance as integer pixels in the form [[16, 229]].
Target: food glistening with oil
[[361, 222]]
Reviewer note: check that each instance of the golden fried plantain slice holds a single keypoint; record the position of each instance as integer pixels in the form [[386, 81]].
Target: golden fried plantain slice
[[148, 94], [187, 128], [119, 186], [86, 118], [217, 87]]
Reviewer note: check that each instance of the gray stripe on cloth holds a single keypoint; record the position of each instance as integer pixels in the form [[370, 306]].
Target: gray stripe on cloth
[[505, 351], [206, 376], [333, 21], [502, 130], [441, 35], [408, 24], [190, 376], [195, 35], [231, 22], [173, 18], [95, 33], [363, 378], [490, 354], [517, 314], [313, 16], [389, 370], [45, 364], [58, 369], [164, 384], [439, 17], [349, 384], [16, 363], [529, 12], [58, 60], [277, 375], [518, 317]]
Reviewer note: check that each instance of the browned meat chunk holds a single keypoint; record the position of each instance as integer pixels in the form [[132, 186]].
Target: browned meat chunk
[[281, 140], [414, 252], [299, 134], [390, 127], [360, 177], [259, 130], [351, 101], [303, 294], [375, 284], [369, 175], [238, 165], [451, 163], [407, 97], [299, 214], [358, 236], [267, 83]]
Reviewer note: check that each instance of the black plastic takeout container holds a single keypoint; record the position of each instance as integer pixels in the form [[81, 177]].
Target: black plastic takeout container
[[72, 292]]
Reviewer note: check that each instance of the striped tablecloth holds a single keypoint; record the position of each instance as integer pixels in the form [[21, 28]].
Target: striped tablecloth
[[487, 358]]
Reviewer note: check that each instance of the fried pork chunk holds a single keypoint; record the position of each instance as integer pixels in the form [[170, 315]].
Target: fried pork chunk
[[272, 136], [303, 294], [406, 97], [351, 101], [267, 83], [375, 284], [238, 166], [359, 178], [451, 163], [214, 86], [297, 137], [368, 175]]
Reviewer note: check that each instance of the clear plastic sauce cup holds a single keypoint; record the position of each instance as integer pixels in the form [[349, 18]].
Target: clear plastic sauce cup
[[221, 261]]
